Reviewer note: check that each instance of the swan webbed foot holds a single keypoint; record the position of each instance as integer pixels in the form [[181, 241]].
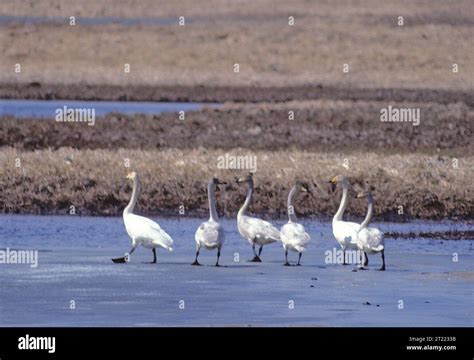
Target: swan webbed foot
[[121, 260], [256, 259], [196, 263], [382, 268], [298, 264], [286, 264]]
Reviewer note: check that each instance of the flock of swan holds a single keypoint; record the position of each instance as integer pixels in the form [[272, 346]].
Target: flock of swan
[[210, 234]]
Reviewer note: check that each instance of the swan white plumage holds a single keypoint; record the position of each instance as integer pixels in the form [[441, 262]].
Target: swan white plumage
[[370, 240], [142, 230], [293, 235], [210, 234], [345, 232], [255, 231]]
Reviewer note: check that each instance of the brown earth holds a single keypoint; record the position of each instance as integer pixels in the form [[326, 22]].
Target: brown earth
[[318, 126], [220, 94], [254, 34]]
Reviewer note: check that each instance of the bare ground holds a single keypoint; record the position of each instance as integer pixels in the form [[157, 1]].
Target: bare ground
[[318, 125], [255, 35], [209, 93]]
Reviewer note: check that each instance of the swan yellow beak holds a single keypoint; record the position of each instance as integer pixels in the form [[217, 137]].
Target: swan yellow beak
[[333, 183]]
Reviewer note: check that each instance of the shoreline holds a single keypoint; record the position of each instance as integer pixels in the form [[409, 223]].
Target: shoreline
[[221, 94], [449, 235]]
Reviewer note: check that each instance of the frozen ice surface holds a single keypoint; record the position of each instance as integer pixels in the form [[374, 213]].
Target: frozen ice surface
[[75, 264], [47, 108]]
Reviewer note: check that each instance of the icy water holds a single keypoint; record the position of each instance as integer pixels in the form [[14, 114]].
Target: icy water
[[74, 265], [47, 108]]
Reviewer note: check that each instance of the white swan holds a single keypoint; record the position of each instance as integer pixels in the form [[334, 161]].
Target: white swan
[[210, 234], [345, 232], [370, 240], [255, 231], [141, 230], [293, 235]]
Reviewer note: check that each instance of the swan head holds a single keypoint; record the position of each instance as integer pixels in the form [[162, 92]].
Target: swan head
[[339, 179], [216, 181], [363, 194], [303, 187], [132, 176], [247, 179]]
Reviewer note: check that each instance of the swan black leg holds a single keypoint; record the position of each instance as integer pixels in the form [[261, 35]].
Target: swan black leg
[[260, 250], [286, 258], [196, 262], [256, 257], [154, 256], [218, 256], [299, 259], [383, 261], [366, 259], [362, 258], [344, 257]]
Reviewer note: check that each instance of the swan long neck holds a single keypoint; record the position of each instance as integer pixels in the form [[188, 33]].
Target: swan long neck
[[343, 204], [290, 208], [370, 212], [211, 193], [133, 200], [248, 199]]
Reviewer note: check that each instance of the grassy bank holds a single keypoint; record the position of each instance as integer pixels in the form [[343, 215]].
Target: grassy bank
[[49, 182]]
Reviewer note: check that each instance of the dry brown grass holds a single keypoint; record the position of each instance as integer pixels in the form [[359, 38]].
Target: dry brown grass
[[94, 181], [254, 34]]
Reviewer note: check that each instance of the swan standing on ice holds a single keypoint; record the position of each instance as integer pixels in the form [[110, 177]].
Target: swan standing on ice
[[370, 240], [255, 231], [210, 234], [293, 235], [345, 232], [143, 231]]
